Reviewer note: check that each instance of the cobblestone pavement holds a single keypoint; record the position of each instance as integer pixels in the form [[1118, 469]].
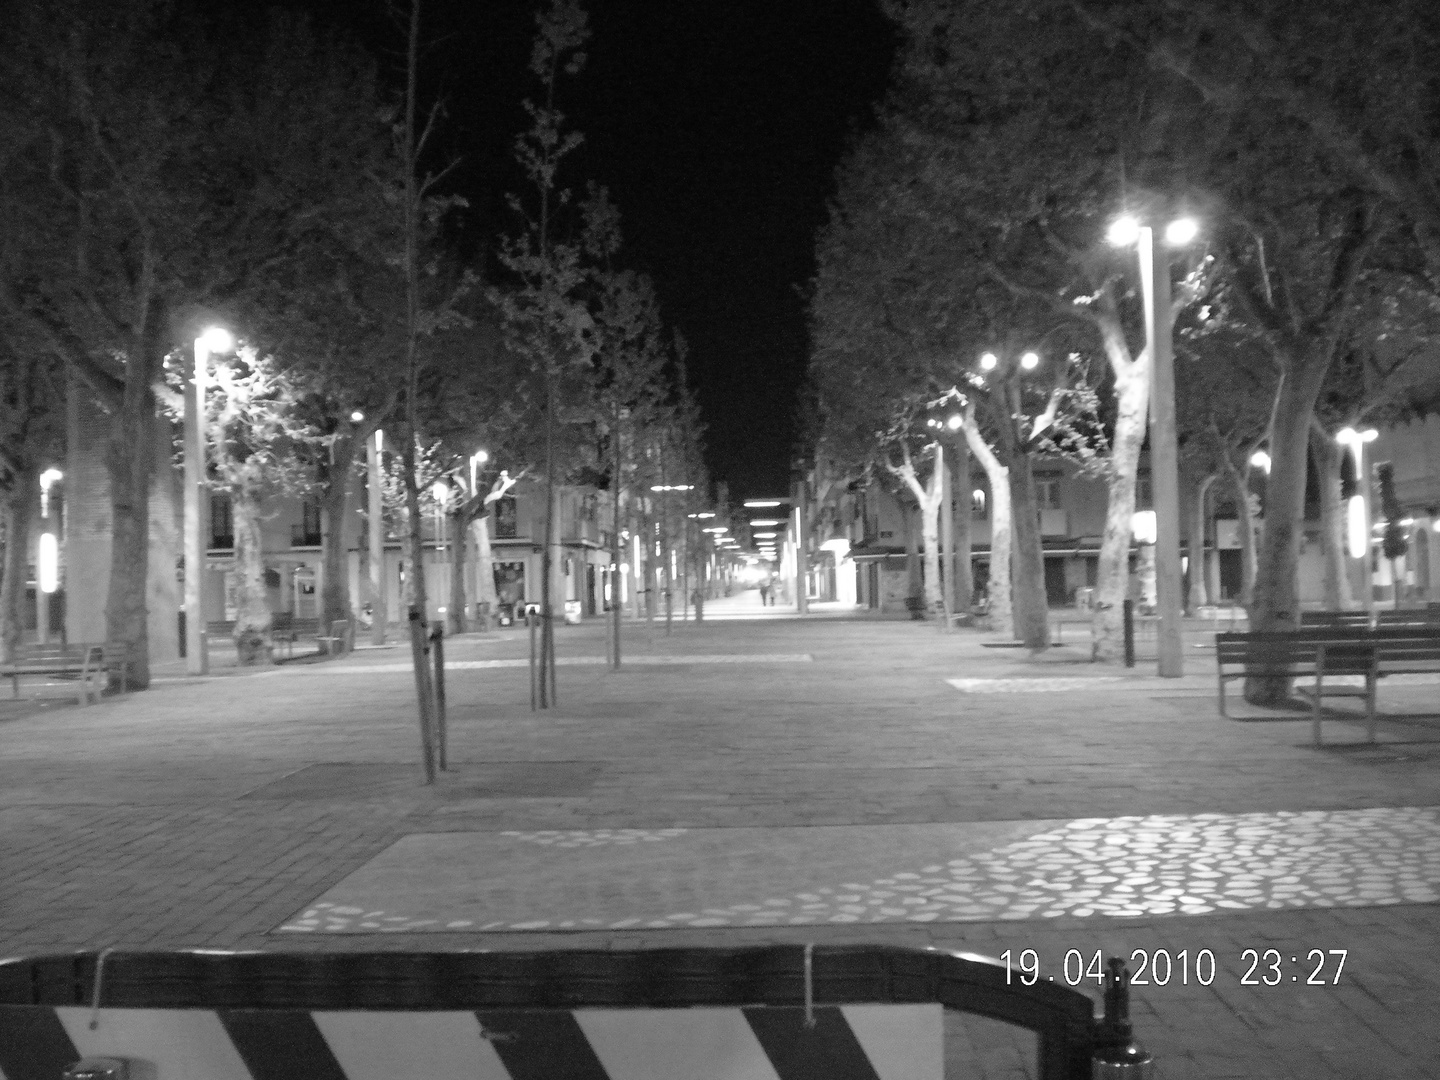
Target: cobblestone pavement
[[210, 813]]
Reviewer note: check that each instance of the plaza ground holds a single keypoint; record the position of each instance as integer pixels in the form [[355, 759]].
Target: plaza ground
[[765, 778]]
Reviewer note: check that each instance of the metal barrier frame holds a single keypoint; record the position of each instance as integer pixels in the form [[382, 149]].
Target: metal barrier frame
[[1064, 1020]]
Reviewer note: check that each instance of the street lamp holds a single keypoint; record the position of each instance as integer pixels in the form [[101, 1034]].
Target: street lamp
[[1164, 453], [197, 646], [1358, 508], [1261, 460]]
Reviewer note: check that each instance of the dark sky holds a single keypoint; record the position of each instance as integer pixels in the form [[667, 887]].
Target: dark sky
[[716, 125]]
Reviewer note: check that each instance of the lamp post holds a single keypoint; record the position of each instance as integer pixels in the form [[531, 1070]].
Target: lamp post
[[1164, 453], [47, 558], [1358, 507], [373, 449], [197, 505]]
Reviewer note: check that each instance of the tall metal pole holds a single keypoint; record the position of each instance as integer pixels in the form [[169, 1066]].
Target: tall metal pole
[[802, 599], [197, 658], [947, 539], [1164, 455], [378, 613]]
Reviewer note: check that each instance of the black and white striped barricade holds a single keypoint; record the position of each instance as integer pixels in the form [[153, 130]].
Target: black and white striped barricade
[[786, 1012]]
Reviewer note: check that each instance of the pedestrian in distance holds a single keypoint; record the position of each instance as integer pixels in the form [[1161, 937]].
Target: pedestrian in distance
[[764, 593]]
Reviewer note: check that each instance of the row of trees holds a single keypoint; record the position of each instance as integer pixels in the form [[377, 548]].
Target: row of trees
[[972, 218], [158, 176]]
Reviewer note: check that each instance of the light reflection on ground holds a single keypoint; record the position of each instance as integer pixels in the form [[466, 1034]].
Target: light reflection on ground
[[1101, 867]]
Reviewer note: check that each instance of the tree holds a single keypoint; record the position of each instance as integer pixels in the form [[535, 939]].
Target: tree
[[1318, 146], [257, 437], [1010, 140], [544, 316]]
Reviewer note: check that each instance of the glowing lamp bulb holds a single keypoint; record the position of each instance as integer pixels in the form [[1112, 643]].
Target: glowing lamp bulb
[[1030, 361], [1181, 231], [49, 563], [216, 339], [988, 361], [954, 422], [1123, 231], [356, 416]]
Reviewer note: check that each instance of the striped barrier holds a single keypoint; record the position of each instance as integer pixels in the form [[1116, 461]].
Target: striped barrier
[[773, 1013]]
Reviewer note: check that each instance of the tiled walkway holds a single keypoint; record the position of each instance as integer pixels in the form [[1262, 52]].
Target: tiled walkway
[[783, 780], [1095, 867]]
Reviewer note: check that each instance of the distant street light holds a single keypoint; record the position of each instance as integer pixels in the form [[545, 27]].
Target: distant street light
[[357, 416], [988, 361], [1164, 452], [197, 503], [1030, 361], [1358, 510], [1261, 460]]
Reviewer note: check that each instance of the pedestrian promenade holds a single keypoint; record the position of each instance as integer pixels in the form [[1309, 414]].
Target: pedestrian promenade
[[766, 777]]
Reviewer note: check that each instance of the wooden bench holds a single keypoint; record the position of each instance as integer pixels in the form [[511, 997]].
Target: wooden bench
[[338, 640], [1328, 652], [85, 662], [1335, 620]]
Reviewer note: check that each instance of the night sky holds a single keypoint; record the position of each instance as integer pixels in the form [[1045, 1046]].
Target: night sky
[[717, 127]]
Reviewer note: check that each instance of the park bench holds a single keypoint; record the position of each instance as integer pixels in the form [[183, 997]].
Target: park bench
[[1328, 652], [1335, 620], [86, 663], [338, 640]]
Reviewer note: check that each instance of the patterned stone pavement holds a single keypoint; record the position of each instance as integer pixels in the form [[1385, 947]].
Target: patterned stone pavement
[[1094, 867]]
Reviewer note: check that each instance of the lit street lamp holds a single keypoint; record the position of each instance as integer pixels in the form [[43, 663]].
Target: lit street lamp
[[1164, 454], [197, 503], [1358, 508]]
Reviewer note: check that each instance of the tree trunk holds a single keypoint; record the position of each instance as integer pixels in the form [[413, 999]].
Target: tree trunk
[[1245, 526], [19, 508], [484, 570], [914, 572], [1032, 610], [1132, 392], [455, 609], [1275, 604], [960, 510], [334, 507], [1197, 594], [1002, 615], [128, 463], [252, 614], [1328, 457], [930, 541]]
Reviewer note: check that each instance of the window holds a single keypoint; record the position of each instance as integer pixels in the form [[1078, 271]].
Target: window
[[306, 532], [222, 522], [1047, 494], [505, 515]]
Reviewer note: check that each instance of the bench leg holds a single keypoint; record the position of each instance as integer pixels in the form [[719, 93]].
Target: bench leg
[[1222, 700], [1315, 716]]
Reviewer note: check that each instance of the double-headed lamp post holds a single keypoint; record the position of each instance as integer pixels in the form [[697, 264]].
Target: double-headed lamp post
[[197, 505], [1357, 522], [1164, 453]]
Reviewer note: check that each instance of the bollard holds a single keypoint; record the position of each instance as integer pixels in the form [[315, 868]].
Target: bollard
[[97, 1069], [1117, 1053], [437, 643], [1129, 610]]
